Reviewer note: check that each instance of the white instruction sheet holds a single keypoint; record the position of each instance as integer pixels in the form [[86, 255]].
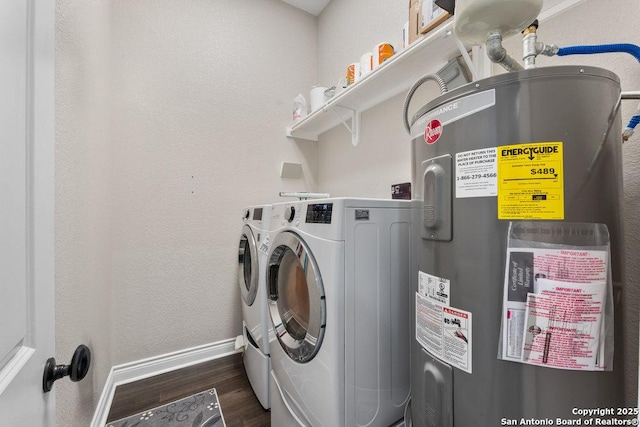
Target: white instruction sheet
[[477, 173], [545, 289], [563, 325], [436, 288], [444, 331]]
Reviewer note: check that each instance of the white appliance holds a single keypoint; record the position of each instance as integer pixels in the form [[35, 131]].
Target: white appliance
[[252, 257], [338, 283]]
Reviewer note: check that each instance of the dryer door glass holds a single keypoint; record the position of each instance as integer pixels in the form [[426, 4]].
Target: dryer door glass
[[296, 297], [248, 266], [293, 295]]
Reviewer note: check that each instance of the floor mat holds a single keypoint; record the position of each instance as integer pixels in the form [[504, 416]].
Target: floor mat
[[199, 410]]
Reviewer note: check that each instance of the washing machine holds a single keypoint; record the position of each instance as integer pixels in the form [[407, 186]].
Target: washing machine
[[252, 257], [338, 295]]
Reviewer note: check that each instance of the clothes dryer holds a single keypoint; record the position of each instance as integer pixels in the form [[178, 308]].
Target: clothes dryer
[[252, 253], [338, 289]]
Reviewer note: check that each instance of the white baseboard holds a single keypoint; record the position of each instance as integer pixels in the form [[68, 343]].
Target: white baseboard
[[145, 368]]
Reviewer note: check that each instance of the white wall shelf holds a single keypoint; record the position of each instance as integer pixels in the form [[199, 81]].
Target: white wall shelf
[[391, 78], [426, 55]]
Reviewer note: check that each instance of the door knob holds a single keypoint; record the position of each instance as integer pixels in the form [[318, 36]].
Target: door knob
[[76, 370]]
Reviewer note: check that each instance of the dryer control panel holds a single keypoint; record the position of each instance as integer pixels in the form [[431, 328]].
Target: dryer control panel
[[319, 213]]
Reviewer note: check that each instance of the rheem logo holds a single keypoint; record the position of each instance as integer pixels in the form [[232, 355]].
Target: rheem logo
[[433, 131]]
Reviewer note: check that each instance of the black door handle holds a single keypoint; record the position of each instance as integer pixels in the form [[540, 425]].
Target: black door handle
[[76, 370]]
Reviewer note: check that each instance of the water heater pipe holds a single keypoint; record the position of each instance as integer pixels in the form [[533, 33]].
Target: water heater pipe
[[498, 54], [635, 119], [628, 131], [631, 49], [531, 47]]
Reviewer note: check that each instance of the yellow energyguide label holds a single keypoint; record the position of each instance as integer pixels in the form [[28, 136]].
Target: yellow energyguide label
[[530, 181]]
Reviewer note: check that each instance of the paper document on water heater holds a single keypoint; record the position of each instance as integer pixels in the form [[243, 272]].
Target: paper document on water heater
[[443, 331], [554, 293], [433, 287], [562, 326]]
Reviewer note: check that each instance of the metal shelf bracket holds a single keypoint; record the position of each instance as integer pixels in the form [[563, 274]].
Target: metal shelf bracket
[[354, 129]]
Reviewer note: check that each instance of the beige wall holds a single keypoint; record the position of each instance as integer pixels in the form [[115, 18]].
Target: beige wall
[[83, 201], [201, 96], [349, 28], [170, 118], [383, 156], [346, 30]]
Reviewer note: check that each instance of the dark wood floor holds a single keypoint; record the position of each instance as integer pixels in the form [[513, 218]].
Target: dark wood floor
[[239, 405]]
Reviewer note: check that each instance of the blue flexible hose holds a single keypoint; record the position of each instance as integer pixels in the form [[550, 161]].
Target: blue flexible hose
[[631, 49]]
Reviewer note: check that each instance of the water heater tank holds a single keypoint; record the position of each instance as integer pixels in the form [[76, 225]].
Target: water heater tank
[[464, 210]]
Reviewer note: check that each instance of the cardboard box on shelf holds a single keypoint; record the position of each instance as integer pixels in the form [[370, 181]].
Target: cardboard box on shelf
[[424, 16], [448, 5], [432, 16], [415, 19]]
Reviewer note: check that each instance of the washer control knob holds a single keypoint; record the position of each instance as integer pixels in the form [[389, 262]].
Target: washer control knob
[[290, 213]]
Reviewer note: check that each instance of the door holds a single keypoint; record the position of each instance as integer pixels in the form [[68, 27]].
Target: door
[[26, 210], [296, 297]]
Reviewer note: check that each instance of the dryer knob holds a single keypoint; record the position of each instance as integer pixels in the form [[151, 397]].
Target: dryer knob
[[290, 213]]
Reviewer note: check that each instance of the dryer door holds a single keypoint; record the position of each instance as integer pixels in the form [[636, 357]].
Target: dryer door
[[248, 266], [296, 297]]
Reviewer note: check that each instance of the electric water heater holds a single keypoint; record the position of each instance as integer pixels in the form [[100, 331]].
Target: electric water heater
[[518, 268]]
